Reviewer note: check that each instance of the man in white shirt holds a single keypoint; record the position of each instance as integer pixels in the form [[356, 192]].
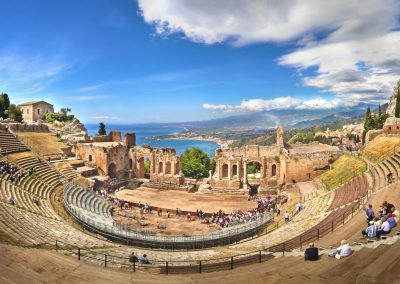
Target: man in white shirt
[[384, 228]]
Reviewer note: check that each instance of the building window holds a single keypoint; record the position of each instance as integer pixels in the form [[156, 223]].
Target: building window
[[38, 111], [90, 158]]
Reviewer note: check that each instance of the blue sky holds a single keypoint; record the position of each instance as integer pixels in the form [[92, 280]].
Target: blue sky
[[123, 61]]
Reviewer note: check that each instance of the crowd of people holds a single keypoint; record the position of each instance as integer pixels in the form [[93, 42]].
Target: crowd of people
[[15, 173], [382, 222], [264, 204]]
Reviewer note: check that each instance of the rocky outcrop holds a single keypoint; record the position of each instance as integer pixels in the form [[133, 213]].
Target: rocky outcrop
[[72, 132]]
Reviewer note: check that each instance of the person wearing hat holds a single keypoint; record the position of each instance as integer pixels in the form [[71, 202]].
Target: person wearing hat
[[370, 232], [311, 253], [342, 251]]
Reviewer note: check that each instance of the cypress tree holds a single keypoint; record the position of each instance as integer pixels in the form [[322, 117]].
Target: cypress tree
[[102, 129]]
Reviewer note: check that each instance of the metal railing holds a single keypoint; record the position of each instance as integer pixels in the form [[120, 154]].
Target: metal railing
[[114, 231]]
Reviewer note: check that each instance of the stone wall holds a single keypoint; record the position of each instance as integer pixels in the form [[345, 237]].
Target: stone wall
[[25, 127], [305, 167]]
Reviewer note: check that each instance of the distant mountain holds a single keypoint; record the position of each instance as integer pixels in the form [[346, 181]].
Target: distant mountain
[[288, 118]]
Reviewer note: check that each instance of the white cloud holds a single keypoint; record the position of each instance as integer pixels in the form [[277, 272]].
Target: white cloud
[[279, 103], [29, 75], [352, 45], [244, 21], [106, 117]]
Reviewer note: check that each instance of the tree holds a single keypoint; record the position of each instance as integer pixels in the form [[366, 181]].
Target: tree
[[4, 105], [397, 94], [65, 110], [195, 163], [13, 112], [102, 129]]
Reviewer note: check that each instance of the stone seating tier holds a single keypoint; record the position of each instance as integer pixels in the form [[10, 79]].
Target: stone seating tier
[[10, 144], [42, 170]]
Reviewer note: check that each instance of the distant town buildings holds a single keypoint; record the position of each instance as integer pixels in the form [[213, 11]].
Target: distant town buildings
[[34, 111], [347, 138]]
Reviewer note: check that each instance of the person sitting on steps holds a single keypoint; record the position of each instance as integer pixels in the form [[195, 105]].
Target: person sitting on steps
[[311, 253]]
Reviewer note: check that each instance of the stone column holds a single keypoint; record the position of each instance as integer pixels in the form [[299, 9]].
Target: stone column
[[244, 173], [164, 166], [229, 169], [210, 174], [264, 168], [219, 168], [238, 169]]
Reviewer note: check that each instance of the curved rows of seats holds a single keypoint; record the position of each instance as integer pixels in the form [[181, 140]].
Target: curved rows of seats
[[350, 191], [42, 170], [10, 144], [69, 172], [88, 201], [379, 174], [34, 229], [24, 199]]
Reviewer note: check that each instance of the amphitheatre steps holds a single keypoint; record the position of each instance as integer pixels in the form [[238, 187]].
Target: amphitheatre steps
[[10, 144], [42, 170], [69, 172]]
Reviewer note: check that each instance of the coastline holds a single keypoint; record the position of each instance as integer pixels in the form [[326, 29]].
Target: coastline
[[179, 136]]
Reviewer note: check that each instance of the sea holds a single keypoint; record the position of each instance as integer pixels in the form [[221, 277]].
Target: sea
[[144, 133]]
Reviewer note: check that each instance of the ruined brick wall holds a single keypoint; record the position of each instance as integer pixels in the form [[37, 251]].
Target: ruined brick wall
[[304, 167]]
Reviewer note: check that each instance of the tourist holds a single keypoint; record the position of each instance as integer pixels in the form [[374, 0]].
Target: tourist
[[298, 207], [168, 214], [370, 232], [133, 258], [188, 217], [391, 221], [143, 259], [342, 251], [278, 212], [286, 217], [384, 229], [159, 211], [10, 200], [311, 253], [387, 208], [370, 215]]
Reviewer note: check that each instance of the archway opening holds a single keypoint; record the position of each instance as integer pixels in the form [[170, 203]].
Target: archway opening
[[224, 170], [254, 170], [168, 168], [160, 167], [112, 170], [130, 164], [254, 189]]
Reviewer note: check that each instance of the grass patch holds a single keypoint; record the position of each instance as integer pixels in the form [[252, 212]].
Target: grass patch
[[42, 142], [342, 170], [380, 147]]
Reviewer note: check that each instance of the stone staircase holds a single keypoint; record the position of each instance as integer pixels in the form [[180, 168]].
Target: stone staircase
[[41, 170], [10, 144]]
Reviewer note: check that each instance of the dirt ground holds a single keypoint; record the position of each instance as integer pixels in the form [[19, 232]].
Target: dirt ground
[[172, 199], [161, 225], [43, 143]]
